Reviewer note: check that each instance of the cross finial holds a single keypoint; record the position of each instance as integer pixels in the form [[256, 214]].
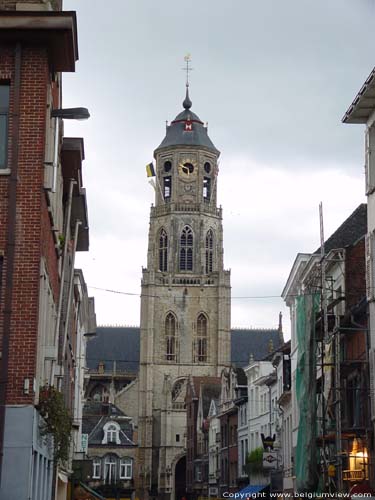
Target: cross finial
[[187, 60]]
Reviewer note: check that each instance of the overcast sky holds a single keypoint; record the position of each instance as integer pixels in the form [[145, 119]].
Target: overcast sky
[[272, 79]]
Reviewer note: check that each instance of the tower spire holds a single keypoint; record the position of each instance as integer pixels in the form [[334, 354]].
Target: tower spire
[[187, 102]]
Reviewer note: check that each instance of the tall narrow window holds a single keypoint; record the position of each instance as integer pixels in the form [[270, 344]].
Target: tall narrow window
[[4, 113], [206, 188], [186, 249], [201, 340], [167, 187], [170, 337], [163, 251], [96, 464], [126, 468], [209, 251], [110, 469]]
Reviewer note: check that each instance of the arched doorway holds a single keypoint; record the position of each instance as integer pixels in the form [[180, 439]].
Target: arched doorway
[[180, 479]]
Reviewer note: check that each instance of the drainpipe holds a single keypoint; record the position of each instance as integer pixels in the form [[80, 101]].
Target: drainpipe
[[61, 291], [10, 248], [55, 154]]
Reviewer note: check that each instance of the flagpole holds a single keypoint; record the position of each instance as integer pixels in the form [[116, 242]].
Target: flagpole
[[158, 183]]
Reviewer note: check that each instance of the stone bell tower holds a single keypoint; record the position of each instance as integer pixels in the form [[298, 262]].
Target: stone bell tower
[[185, 301]]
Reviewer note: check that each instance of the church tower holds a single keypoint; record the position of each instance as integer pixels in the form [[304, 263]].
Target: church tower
[[185, 300]]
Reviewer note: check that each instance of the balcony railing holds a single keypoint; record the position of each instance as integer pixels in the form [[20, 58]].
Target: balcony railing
[[168, 208], [353, 475]]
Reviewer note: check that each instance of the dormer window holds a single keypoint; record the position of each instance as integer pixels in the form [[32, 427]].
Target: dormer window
[[111, 433]]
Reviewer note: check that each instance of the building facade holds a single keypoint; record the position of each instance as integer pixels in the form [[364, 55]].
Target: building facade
[[43, 216], [329, 332]]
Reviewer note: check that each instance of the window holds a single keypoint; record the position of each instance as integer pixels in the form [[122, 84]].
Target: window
[[110, 469], [167, 166], [207, 167], [4, 114], [177, 438], [96, 464], [209, 251], [186, 249], [111, 433], [170, 336], [167, 187], [206, 188], [126, 468], [163, 251], [201, 341]]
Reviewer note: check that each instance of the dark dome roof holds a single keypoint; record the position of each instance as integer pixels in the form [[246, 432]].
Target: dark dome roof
[[177, 135]]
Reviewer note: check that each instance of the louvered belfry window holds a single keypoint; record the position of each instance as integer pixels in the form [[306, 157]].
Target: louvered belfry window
[[209, 251], [163, 251], [170, 337], [186, 249], [201, 340]]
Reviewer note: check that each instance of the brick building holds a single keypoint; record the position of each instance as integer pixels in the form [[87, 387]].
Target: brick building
[[43, 217]]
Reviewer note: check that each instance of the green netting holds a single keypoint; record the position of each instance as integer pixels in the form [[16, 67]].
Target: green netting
[[306, 453]]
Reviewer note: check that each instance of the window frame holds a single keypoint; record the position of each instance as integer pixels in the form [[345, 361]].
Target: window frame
[[112, 470], [186, 254], [163, 250], [201, 340], [170, 331], [209, 247], [96, 463], [127, 464], [4, 111]]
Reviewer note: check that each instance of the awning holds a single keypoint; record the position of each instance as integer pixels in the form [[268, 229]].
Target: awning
[[250, 489]]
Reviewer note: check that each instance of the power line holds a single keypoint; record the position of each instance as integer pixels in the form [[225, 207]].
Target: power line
[[239, 297]]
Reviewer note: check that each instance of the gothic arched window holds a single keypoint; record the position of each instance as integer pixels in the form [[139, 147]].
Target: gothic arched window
[[201, 339], [186, 249], [170, 338], [163, 251], [209, 251]]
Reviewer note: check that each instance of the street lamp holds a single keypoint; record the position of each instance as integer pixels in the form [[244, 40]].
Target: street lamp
[[71, 113], [67, 114]]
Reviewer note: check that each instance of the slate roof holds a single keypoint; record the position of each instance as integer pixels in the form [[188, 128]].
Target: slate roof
[[114, 343], [350, 231], [177, 135], [255, 342], [121, 344], [93, 422]]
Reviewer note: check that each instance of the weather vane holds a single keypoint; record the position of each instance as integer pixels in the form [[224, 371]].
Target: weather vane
[[187, 59]]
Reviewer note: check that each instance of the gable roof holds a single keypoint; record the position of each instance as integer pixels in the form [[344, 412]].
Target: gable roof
[[122, 344], [350, 231], [209, 391], [93, 421]]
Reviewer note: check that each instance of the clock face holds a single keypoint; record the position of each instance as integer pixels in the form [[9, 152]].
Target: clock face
[[187, 169]]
